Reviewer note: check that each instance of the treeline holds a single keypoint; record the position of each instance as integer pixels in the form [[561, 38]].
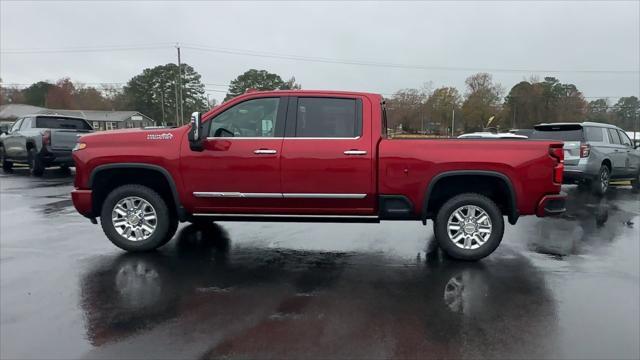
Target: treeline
[[484, 105], [154, 92]]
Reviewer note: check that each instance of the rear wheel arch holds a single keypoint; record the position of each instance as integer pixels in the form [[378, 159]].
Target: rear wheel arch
[[607, 163], [506, 197], [106, 178]]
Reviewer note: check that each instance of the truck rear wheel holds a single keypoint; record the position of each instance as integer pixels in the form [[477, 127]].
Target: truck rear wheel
[[469, 226], [136, 218], [600, 184], [36, 167]]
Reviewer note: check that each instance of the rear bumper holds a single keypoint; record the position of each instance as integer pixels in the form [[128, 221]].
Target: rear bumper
[[57, 157], [83, 202], [584, 170], [551, 205]]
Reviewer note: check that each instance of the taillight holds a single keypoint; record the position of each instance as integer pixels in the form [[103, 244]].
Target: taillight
[[557, 152], [46, 137], [585, 149]]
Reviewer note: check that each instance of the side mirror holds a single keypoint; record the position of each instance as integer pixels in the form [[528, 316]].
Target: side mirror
[[4, 129], [195, 133]]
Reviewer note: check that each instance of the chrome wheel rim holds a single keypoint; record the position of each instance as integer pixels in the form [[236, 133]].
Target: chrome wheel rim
[[604, 179], [134, 218], [469, 227]]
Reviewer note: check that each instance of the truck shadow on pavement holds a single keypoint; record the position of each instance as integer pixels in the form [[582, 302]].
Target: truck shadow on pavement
[[256, 302]]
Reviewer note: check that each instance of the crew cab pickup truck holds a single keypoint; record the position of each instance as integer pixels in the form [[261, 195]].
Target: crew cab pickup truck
[[320, 156], [41, 141]]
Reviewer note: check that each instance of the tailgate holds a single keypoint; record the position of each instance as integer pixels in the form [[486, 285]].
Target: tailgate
[[571, 152], [62, 139]]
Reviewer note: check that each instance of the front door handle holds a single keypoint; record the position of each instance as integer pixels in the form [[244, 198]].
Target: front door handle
[[355, 152], [265, 151]]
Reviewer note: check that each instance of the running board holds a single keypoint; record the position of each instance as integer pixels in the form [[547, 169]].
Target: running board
[[293, 218]]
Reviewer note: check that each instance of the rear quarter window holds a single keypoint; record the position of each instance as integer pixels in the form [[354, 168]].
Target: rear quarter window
[[61, 123], [593, 134]]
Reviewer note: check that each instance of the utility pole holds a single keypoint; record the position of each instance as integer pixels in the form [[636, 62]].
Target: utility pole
[[453, 121], [177, 106], [162, 103], [180, 84], [513, 126]]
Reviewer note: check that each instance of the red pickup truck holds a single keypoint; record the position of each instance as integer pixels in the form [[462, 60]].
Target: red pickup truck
[[320, 156]]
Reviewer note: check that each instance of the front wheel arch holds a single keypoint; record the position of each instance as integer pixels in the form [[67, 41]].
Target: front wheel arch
[[101, 171]]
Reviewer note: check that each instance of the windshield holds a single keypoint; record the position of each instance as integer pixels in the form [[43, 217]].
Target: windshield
[[61, 123]]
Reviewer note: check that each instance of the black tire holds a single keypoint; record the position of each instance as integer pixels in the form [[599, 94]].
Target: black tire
[[600, 184], [166, 224], [36, 167], [6, 165], [635, 183], [441, 231], [173, 227]]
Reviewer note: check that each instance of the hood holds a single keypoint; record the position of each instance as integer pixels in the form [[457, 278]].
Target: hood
[[134, 135]]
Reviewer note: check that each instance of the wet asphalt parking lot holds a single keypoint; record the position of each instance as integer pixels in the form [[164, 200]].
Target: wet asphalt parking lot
[[555, 288]]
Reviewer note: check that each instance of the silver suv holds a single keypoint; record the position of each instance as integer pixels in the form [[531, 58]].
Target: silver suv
[[594, 153]]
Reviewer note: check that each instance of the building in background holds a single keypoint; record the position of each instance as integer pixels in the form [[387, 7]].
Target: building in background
[[99, 119]]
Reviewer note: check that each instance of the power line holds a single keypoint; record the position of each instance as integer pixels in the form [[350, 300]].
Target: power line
[[317, 59], [87, 49], [388, 65]]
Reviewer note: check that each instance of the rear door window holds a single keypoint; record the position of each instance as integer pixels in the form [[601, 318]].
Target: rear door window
[[52, 122], [593, 134], [613, 137], [328, 118]]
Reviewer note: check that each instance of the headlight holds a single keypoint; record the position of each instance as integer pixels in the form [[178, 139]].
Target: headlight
[[79, 146]]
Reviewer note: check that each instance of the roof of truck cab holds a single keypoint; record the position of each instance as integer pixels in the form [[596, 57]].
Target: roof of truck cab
[[307, 92], [54, 115]]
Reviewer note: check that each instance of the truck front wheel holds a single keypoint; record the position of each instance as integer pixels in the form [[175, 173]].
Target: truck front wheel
[[136, 218], [469, 226]]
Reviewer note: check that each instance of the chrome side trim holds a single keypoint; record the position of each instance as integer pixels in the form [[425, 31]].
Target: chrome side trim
[[279, 138], [216, 194], [322, 196], [291, 216], [243, 138], [205, 194], [322, 138]]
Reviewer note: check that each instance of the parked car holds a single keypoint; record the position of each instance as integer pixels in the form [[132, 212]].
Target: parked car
[[490, 135], [41, 141], [594, 153], [318, 156]]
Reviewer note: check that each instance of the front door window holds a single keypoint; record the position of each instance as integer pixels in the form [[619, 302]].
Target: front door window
[[252, 118]]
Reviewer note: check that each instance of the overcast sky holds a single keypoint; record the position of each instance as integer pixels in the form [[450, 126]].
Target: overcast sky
[[582, 40]]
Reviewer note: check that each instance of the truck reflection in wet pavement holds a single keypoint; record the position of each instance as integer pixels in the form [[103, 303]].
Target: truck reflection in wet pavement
[[276, 303]]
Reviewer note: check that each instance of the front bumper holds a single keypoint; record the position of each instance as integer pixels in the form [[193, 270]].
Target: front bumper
[[83, 202], [552, 205]]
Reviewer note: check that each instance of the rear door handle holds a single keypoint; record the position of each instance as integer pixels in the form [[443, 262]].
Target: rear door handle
[[355, 152], [265, 151]]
